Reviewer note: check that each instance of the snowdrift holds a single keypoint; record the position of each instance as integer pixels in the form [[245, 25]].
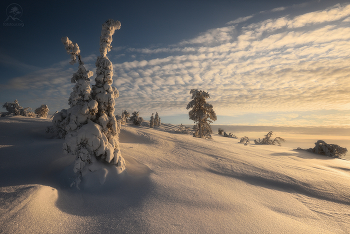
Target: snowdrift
[[173, 183]]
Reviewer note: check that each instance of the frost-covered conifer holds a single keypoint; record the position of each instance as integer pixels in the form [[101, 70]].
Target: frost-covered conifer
[[136, 119], [125, 116], [59, 122], [42, 111], [331, 150], [183, 129], [82, 107], [230, 135], [202, 113], [14, 108], [98, 136], [157, 120], [267, 140], [151, 121], [244, 140]]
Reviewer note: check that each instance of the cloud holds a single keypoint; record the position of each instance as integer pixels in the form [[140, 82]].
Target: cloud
[[285, 64], [278, 9], [240, 20], [275, 64], [217, 35], [334, 13], [7, 60], [49, 77]]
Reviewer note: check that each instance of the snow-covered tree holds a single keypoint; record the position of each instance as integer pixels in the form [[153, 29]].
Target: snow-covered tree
[[82, 106], [125, 116], [151, 121], [13, 108], [202, 113], [183, 129], [156, 120], [331, 150], [230, 135], [136, 119], [244, 140], [58, 127], [42, 111], [268, 141], [93, 131]]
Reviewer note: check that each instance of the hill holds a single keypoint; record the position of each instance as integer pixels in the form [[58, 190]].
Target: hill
[[174, 183]]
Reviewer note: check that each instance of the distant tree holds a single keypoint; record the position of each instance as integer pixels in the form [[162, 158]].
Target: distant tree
[[157, 120], [268, 141], [42, 111], [202, 113], [13, 108], [230, 135], [125, 116], [136, 119], [221, 131], [331, 150], [151, 121], [183, 129], [244, 140]]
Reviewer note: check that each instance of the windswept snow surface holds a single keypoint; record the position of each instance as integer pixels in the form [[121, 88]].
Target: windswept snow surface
[[173, 183]]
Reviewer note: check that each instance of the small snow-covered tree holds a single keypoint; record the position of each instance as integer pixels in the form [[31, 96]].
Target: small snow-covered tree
[[14, 108], [136, 119], [58, 127], [244, 140], [151, 121], [202, 113], [125, 116], [268, 141], [331, 150], [42, 111], [96, 131], [183, 129], [230, 135], [157, 120]]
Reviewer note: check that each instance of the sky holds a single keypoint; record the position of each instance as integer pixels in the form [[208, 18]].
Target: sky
[[262, 62]]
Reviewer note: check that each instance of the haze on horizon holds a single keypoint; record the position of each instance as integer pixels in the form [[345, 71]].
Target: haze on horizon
[[277, 63]]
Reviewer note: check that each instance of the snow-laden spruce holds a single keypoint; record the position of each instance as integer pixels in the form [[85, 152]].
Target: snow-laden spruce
[[92, 129], [58, 127], [331, 150], [244, 140], [156, 120], [183, 129], [13, 108], [125, 116], [268, 141], [82, 107], [42, 111], [202, 113], [136, 119], [151, 121]]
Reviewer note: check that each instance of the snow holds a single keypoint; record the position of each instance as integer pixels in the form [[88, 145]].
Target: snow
[[173, 183]]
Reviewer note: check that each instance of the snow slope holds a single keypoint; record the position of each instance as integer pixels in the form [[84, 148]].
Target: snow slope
[[174, 183]]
